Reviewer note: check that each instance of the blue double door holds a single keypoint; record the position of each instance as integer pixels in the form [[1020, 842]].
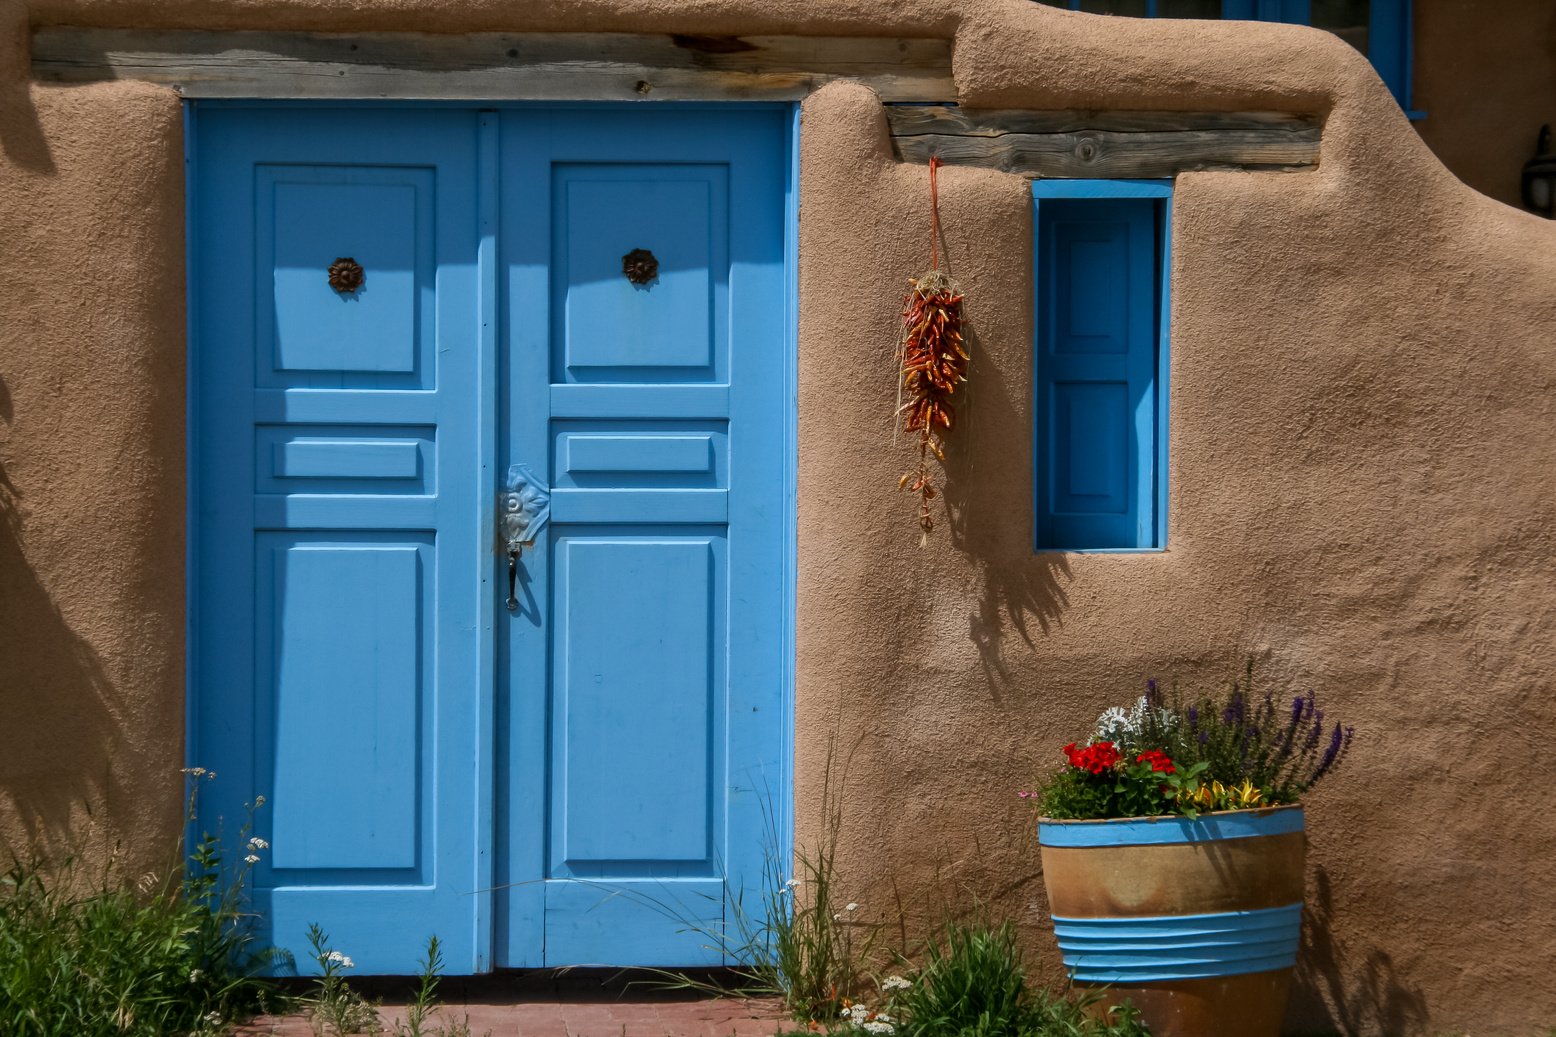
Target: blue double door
[[390, 307]]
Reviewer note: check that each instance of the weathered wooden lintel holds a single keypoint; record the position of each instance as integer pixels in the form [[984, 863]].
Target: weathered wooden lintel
[[1104, 145], [574, 66]]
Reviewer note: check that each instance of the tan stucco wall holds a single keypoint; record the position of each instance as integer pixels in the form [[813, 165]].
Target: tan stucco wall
[[1485, 74], [1362, 486]]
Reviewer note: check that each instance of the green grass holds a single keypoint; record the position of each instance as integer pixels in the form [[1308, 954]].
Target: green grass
[[972, 982], [101, 959]]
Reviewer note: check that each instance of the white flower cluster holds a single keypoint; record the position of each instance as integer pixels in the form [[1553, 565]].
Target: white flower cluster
[[345, 962], [896, 983], [868, 1021], [256, 843], [1121, 728]]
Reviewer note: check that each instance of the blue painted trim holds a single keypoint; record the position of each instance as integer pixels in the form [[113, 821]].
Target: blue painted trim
[[1150, 831], [1169, 947], [1101, 189], [1163, 365], [466, 105], [191, 467], [784, 808], [1390, 46], [487, 216]]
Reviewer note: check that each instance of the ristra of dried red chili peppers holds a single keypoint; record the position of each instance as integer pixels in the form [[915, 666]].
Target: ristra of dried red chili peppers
[[933, 358]]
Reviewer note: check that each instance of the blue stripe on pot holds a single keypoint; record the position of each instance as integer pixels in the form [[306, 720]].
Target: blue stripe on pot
[[1139, 831], [1165, 947]]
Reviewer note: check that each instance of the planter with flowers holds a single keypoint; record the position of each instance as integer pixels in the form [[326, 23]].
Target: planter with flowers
[[1172, 846]]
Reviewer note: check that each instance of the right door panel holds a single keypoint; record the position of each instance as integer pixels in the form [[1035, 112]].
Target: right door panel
[[647, 346]]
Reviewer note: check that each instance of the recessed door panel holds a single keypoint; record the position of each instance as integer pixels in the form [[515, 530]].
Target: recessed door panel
[[665, 322], [635, 693], [346, 638], [309, 217]]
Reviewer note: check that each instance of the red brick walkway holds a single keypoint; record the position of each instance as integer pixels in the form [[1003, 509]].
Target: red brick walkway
[[575, 1007]]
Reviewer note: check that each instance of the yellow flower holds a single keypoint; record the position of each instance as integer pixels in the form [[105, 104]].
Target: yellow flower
[[1247, 795]]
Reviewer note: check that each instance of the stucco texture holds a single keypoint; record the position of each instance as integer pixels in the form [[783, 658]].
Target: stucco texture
[[1362, 487]]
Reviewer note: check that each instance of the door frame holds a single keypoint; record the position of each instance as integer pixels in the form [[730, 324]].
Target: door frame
[[490, 374]]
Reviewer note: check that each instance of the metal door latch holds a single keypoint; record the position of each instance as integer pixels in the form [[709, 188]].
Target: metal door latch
[[523, 510]]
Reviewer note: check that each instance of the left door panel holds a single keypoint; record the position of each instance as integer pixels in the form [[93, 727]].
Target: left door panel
[[339, 548]]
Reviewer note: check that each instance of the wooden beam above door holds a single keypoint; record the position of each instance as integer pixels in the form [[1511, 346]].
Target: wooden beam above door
[[1104, 145], [572, 66]]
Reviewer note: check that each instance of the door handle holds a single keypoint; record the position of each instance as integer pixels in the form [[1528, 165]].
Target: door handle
[[524, 509]]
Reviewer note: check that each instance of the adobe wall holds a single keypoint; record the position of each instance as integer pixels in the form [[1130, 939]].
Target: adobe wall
[[1362, 491], [1486, 77]]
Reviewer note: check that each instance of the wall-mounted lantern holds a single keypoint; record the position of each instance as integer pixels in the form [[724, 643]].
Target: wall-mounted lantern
[[1540, 178]]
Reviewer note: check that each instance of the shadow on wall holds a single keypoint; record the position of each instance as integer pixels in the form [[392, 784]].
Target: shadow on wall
[[1332, 994], [987, 494], [57, 701], [21, 134]]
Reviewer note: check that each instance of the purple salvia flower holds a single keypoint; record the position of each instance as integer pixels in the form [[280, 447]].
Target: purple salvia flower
[[1296, 709], [1193, 716]]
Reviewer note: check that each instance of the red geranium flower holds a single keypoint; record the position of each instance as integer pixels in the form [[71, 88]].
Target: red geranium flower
[[1158, 761], [1094, 758]]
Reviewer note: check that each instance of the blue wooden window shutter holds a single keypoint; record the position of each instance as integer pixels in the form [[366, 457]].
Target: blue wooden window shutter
[[1100, 429]]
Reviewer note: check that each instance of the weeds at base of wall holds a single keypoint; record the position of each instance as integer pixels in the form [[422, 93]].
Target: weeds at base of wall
[[807, 949], [175, 955], [335, 1010]]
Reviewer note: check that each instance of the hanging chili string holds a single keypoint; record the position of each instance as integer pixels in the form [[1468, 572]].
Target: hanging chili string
[[933, 360]]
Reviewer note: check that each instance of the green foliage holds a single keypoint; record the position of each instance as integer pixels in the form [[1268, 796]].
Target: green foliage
[[973, 983], [972, 986], [1233, 750], [425, 1002], [335, 1009], [115, 961], [1132, 789], [801, 943]]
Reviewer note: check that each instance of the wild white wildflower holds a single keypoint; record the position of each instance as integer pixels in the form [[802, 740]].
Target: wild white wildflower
[[195, 974], [257, 843], [851, 907], [252, 858], [896, 983], [876, 1026], [859, 1013], [196, 771], [345, 962], [794, 882], [881, 1017], [259, 801], [837, 918], [213, 1018]]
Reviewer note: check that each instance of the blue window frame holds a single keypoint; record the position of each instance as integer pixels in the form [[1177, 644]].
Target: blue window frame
[[1100, 354], [1379, 29]]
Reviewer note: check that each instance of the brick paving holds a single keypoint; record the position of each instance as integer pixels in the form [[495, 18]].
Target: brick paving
[[571, 1005]]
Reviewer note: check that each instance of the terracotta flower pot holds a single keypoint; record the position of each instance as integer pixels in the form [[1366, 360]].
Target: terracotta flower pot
[[1196, 922]]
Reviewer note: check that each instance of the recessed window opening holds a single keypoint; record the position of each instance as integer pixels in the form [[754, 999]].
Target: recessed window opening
[[1100, 365]]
